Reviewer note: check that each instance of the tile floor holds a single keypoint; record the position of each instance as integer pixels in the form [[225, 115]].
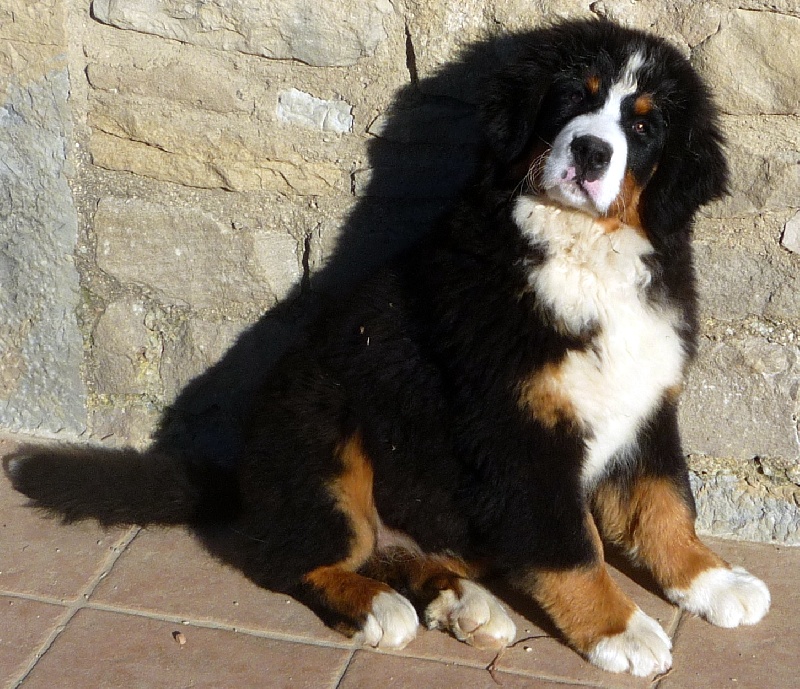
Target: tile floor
[[86, 608]]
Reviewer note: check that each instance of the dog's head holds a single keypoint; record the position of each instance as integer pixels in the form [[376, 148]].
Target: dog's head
[[607, 120]]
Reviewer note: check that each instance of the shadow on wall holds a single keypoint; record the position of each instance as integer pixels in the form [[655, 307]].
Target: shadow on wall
[[423, 151]]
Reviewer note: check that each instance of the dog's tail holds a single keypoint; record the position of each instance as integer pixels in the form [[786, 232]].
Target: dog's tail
[[118, 486]]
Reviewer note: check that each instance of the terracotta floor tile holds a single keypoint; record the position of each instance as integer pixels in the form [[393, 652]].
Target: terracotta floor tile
[[40, 556], [114, 651], [168, 571], [24, 627], [370, 670], [764, 656]]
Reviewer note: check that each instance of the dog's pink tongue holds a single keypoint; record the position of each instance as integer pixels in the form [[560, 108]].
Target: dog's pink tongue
[[569, 174], [591, 188]]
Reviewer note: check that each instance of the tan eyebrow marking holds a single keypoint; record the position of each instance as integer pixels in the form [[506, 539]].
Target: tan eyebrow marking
[[644, 104]]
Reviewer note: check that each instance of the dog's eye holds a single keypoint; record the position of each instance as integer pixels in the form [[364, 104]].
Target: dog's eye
[[577, 97], [641, 127]]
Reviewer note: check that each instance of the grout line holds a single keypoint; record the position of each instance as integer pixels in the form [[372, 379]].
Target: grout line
[[481, 665], [76, 605], [346, 666], [345, 644], [677, 622], [217, 625], [36, 598]]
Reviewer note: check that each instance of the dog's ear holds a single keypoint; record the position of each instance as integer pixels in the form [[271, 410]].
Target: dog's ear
[[508, 112], [692, 172]]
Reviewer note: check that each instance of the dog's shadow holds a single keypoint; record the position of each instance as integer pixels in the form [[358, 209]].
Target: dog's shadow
[[420, 154]]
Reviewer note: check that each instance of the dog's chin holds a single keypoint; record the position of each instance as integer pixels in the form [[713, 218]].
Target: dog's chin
[[574, 195]]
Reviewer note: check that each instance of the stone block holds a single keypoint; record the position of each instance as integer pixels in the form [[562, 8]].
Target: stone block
[[198, 346], [741, 399], [323, 34], [40, 23], [742, 271], [737, 500], [188, 257], [791, 234], [41, 348], [199, 148], [303, 109], [752, 64], [124, 422], [764, 156], [182, 77], [126, 350], [788, 7], [114, 153], [685, 24]]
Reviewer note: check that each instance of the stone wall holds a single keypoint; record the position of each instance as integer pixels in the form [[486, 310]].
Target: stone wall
[[172, 171]]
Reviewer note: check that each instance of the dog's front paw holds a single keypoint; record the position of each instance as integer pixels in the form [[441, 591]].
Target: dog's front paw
[[392, 622], [725, 597], [642, 649], [475, 617]]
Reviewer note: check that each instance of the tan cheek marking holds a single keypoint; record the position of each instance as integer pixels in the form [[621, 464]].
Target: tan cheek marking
[[657, 527], [543, 397], [625, 207]]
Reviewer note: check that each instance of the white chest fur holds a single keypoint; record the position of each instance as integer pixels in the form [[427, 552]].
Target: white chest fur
[[592, 277]]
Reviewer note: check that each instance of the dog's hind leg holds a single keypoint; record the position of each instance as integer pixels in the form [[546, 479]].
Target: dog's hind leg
[[344, 597], [441, 588]]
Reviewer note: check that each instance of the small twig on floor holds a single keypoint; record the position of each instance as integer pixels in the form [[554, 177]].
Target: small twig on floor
[[664, 674], [530, 638], [493, 666]]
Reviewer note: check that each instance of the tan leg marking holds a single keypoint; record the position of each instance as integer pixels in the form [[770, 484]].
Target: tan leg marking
[[424, 576], [657, 528], [585, 603], [344, 591]]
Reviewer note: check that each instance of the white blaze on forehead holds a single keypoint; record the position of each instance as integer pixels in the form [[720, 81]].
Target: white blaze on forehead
[[630, 73], [605, 124]]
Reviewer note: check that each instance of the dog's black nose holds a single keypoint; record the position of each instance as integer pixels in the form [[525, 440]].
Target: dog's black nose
[[592, 156]]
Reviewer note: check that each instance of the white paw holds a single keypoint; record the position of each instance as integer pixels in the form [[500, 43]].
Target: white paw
[[392, 622], [476, 617], [642, 649], [725, 597]]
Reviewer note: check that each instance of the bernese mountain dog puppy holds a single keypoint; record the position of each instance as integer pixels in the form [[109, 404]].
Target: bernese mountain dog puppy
[[500, 399]]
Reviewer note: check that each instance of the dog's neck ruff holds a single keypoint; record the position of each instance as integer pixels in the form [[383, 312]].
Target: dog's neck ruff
[[593, 279]]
